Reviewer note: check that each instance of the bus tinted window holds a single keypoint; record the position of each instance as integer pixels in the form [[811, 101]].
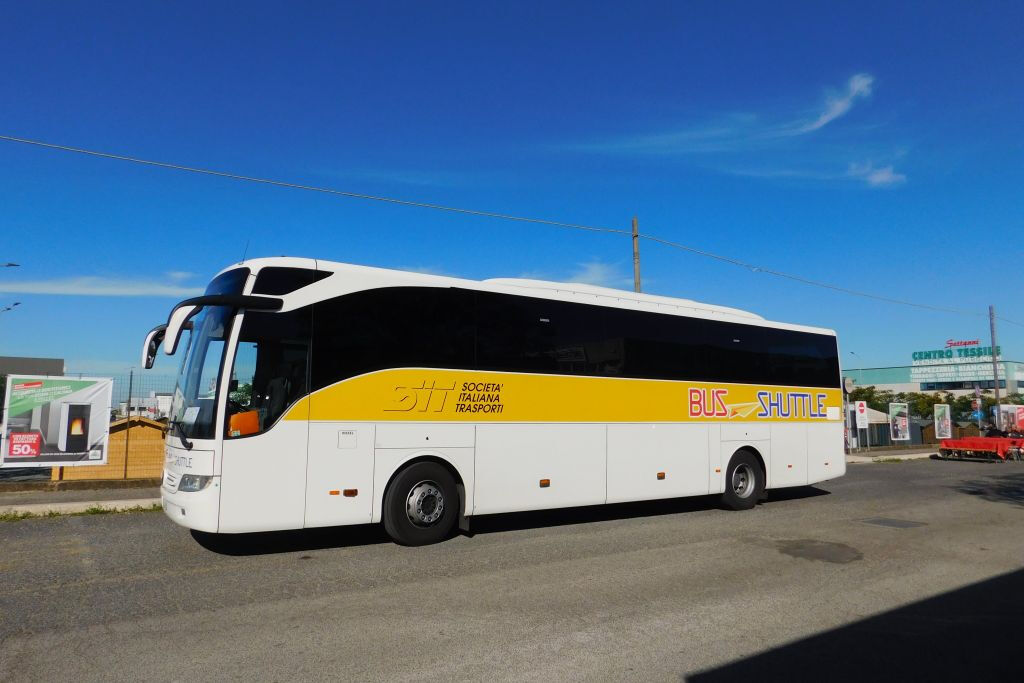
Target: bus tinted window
[[269, 372], [275, 280], [461, 329], [658, 346], [228, 282], [392, 328], [525, 334]]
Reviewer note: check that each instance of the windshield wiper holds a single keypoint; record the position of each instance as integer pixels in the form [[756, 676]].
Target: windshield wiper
[[181, 433]]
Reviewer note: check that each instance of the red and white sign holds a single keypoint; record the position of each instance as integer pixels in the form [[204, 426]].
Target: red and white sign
[[24, 444], [862, 414], [950, 343], [27, 385]]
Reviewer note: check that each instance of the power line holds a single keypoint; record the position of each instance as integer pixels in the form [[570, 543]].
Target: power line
[[312, 188], [806, 281], [492, 214]]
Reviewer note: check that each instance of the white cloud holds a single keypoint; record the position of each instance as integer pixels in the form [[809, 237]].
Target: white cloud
[[602, 275], [884, 176], [737, 131], [857, 87], [594, 272], [179, 275], [98, 286]]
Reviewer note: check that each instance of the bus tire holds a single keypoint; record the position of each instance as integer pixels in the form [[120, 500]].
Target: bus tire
[[421, 505], [744, 481]]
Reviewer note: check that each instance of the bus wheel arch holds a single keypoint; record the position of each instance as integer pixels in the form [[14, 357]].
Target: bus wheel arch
[[746, 479], [423, 500]]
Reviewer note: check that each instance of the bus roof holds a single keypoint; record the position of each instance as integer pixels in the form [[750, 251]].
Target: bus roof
[[347, 277]]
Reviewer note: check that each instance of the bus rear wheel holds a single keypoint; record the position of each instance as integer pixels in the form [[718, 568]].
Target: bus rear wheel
[[422, 505], [744, 481]]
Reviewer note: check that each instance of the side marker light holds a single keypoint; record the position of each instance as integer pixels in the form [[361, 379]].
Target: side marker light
[[544, 483]]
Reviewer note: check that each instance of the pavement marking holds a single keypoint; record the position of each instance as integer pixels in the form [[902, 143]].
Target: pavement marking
[[893, 523]]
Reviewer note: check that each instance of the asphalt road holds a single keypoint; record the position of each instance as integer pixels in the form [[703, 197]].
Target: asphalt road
[[801, 587]]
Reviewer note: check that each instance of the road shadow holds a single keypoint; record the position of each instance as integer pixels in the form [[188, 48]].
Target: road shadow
[[300, 540], [965, 634], [1006, 488]]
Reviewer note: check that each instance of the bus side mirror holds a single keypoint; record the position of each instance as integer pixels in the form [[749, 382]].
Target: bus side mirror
[[178, 321], [152, 345]]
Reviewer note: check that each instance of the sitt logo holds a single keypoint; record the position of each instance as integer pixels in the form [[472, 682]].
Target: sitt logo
[[422, 398]]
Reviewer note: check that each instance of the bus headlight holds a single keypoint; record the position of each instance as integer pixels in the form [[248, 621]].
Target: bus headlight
[[194, 482]]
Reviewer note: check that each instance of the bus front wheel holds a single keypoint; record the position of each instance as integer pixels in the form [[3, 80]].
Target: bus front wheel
[[744, 481], [422, 505]]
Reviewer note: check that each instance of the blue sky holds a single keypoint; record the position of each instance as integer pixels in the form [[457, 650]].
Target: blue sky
[[876, 146]]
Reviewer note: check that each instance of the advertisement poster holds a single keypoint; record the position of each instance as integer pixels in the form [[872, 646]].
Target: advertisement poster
[[862, 414], [899, 422], [55, 421], [1011, 417], [943, 422]]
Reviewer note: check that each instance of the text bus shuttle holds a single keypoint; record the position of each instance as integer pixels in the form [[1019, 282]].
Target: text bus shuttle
[[314, 394]]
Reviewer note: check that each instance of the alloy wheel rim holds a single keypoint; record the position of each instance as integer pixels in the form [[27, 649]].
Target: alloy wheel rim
[[424, 505]]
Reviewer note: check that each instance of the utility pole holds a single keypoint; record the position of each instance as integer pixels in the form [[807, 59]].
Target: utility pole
[[995, 365], [636, 256]]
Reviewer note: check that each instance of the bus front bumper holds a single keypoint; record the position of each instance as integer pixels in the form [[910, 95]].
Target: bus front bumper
[[189, 493], [193, 509]]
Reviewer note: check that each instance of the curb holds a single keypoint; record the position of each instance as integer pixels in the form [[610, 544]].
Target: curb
[[78, 485], [72, 508], [878, 459]]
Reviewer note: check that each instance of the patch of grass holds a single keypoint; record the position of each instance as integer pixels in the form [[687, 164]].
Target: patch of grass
[[93, 510], [100, 510], [888, 460], [15, 516]]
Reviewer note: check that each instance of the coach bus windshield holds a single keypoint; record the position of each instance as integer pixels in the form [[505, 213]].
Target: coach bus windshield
[[195, 394]]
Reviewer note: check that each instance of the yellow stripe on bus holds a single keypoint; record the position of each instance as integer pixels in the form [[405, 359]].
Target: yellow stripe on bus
[[468, 396]]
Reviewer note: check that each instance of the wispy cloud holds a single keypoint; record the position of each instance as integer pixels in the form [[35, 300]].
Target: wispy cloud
[[739, 131], [100, 286], [859, 86], [773, 145], [601, 274], [883, 176], [595, 272], [180, 275]]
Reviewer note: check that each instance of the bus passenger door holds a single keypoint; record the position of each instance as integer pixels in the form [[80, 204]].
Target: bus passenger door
[[264, 479], [266, 431]]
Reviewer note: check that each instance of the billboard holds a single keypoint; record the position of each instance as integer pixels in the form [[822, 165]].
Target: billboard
[[58, 421], [899, 422], [943, 422], [862, 414]]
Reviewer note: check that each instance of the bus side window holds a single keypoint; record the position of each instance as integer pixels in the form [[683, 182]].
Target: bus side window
[[270, 370]]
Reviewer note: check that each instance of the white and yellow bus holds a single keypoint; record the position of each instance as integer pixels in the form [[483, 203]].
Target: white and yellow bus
[[317, 394]]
